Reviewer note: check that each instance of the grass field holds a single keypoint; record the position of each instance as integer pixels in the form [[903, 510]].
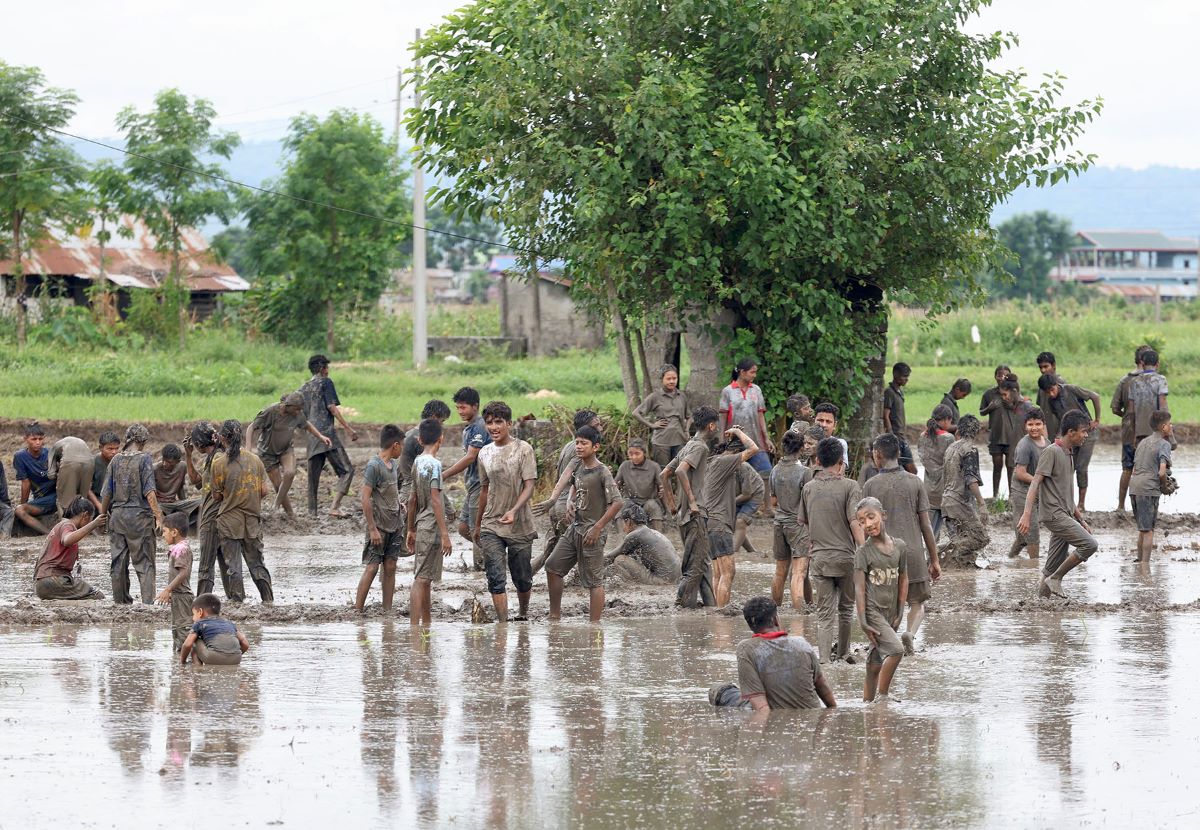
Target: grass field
[[223, 375]]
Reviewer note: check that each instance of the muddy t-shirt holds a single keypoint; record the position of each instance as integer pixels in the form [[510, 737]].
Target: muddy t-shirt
[[1056, 493], [674, 407], [883, 572], [903, 497], [1027, 454], [1013, 422], [179, 555], [653, 550], [932, 450], [787, 482], [383, 479], [740, 408], [992, 403], [427, 477], [784, 669], [960, 470], [239, 514], [1122, 404], [275, 429], [827, 506], [169, 485], [595, 490], [319, 394], [1152, 451], [893, 400], [639, 482], [1070, 398], [695, 453], [129, 480], [1144, 389], [566, 456], [208, 504], [750, 483], [720, 491], [504, 471], [475, 436], [58, 558], [217, 634], [74, 451], [949, 401], [411, 449]]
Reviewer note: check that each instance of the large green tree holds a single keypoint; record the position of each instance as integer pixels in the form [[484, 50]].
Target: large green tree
[[786, 163], [1036, 242], [39, 175], [171, 186], [329, 244]]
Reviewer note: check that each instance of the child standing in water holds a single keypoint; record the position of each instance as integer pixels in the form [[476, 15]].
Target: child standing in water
[[880, 591], [1026, 458], [790, 546], [179, 590], [932, 446], [428, 536]]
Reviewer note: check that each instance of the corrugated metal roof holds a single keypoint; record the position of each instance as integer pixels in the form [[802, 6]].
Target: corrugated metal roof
[[129, 263], [1147, 292], [1120, 240]]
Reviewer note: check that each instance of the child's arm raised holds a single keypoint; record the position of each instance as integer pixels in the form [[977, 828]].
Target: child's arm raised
[[81, 534]]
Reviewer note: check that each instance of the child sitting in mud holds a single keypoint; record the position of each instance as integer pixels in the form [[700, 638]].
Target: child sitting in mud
[[645, 556], [179, 589], [55, 576], [216, 640], [880, 591]]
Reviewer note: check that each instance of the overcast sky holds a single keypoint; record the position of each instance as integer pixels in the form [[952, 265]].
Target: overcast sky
[[261, 62]]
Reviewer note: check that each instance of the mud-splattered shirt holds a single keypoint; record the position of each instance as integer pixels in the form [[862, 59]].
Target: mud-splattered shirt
[[240, 483], [720, 491], [1056, 493], [504, 471], [1026, 456], [695, 453], [179, 555], [319, 394], [784, 669], [827, 506], [129, 480], [1151, 452], [671, 406], [35, 469], [961, 470], [1144, 389], [903, 497], [427, 477], [381, 477], [594, 490], [750, 483], [208, 502], [883, 571], [58, 558], [741, 408], [169, 485], [932, 450], [639, 482], [275, 429], [787, 482]]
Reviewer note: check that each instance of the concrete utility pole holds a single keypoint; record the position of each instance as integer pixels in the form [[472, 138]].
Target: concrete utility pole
[[420, 341]]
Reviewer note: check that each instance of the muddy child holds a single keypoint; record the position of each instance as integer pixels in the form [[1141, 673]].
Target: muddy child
[[1052, 492], [558, 510], [688, 470], [474, 438], [71, 468], [203, 439], [593, 502], [906, 504], [214, 640], [179, 587], [57, 574], [323, 409], [720, 493], [958, 390], [31, 466], [963, 506], [1151, 470], [1142, 395], [666, 412], [440, 412], [934, 441], [880, 590], [239, 483], [108, 447], [130, 501], [504, 526], [751, 491], [827, 507], [790, 546], [799, 409], [893, 413], [170, 483], [638, 479], [1062, 398], [645, 556], [775, 670], [384, 518], [275, 426], [428, 533], [992, 406], [1026, 457]]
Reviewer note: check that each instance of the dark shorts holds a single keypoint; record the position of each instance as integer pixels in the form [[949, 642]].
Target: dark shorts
[[747, 508], [761, 462], [44, 504], [337, 457], [1145, 511], [570, 550], [789, 543], [906, 454], [391, 549], [515, 554], [1127, 451], [997, 449], [720, 543], [918, 592], [467, 515]]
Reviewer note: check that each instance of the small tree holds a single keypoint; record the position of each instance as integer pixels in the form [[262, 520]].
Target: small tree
[[107, 189], [39, 175], [1037, 242], [324, 246], [171, 184]]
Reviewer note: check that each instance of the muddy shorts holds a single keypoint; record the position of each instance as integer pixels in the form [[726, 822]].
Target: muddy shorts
[[429, 559], [747, 509], [919, 592], [887, 642], [467, 515], [181, 617], [789, 543], [1066, 533], [390, 549], [720, 543], [906, 456], [272, 461], [570, 551], [212, 657], [997, 449], [1145, 510], [500, 552]]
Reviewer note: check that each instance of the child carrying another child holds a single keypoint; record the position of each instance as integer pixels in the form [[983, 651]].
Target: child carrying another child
[[179, 590], [428, 536], [880, 591], [214, 639]]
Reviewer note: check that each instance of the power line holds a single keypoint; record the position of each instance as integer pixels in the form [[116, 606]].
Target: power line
[[268, 191], [306, 98]]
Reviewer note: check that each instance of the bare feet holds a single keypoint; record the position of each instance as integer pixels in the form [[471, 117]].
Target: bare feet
[[907, 640]]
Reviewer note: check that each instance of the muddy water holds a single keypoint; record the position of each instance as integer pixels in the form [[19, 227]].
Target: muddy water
[[1002, 721]]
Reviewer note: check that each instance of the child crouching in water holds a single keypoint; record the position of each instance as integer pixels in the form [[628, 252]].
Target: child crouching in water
[[216, 640], [179, 589], [880, 590]]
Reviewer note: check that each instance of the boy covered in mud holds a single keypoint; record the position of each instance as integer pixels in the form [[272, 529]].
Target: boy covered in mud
[[775, 670], [645, 556], [31, 465], [133, 513], [1062, 398], [108, 447], [56, 576], [7, 514], [385, 540], [428, 534], [170, 483], [880, 591], [593, 501], [239, 484], [1151, 472], [790, 547], [689, 469], [720, 493], [1052, 491], [71, 469], [893, 412], [903, 498], [1025, 458], [963, 506], [179, 588], [474, 438], [558, 510], [799, 407], [638, 480], [214, 639], [958, 390], [504, 526], [827, 507], [751, 490], [276, 427], [323, 409]]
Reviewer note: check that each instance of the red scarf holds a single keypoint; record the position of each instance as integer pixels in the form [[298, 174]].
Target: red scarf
[[771, 635]]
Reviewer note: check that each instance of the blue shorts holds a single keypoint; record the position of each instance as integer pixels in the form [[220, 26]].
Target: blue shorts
[[1127, 451], [761, 462], [45, 504], [747, 508]]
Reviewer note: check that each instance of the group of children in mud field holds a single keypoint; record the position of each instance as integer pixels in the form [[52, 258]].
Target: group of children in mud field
[[864, 548]]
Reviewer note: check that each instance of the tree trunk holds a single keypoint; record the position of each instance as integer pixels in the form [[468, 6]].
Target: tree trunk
[[181, 294], [641, 352], [535, 286], [329, 318], [624, 350], [870, 315], [19, 273]]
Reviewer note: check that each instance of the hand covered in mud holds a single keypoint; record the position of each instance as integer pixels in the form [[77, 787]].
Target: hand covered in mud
[[508, 518], [376, 537], [326, 440], [164, 596], [872, 633], [935, 570], [411, 542], [446, 545], [661, 423], [591, 537], [353, 435], [1023, 524], [540, 507]]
